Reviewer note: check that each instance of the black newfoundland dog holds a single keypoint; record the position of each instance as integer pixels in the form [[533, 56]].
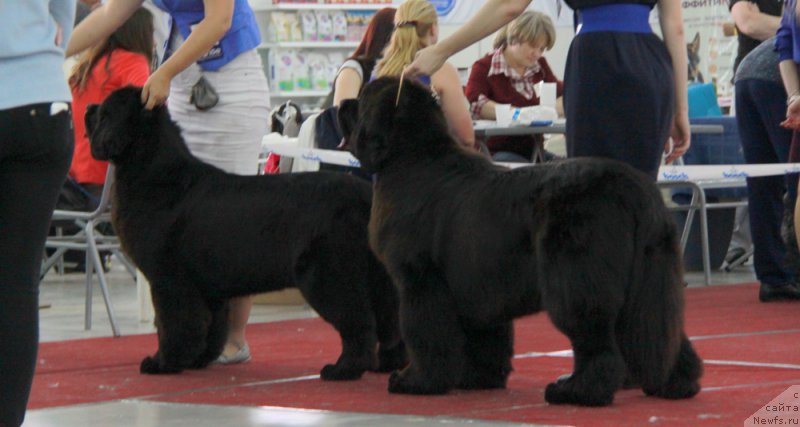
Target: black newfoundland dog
[[472, 246], [202, 236]]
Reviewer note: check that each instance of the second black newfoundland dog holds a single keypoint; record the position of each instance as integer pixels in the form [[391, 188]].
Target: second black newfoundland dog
[[472, 246], [202, 236]]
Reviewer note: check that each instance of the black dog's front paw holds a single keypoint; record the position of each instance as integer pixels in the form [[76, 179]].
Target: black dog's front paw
[[340, 373], [565, 391], [403, 383], [152, 365]]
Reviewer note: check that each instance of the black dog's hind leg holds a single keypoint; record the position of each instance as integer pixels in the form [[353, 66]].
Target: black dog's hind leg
[[584, 275], [489, 353], [336, 289], [584, 304], [655, 344], [684, 378], [182, 320], [598, 369], [217, 334], [433, 335]]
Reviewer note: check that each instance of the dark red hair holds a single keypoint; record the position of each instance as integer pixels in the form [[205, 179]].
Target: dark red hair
[[379, 32]]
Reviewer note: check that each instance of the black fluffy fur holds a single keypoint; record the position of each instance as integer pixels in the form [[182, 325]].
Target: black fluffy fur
[[472, 246], [202, 236]]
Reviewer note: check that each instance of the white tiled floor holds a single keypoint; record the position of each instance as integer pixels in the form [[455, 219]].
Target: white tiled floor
[[132, 413], [62, 299]]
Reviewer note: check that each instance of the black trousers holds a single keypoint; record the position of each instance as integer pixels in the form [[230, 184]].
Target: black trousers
[[760, 108], [35, 154], [619, 98]]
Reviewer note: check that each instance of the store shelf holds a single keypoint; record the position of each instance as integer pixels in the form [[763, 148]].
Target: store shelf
[[325, 51], [300, 94], [266, 5], [309, 45]]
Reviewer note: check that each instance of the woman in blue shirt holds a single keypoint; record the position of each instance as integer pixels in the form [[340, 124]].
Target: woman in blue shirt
[[35, 153], [787, 44], [216, 40]]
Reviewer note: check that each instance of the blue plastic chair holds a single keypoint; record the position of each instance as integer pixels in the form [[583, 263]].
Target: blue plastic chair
[[703, 101]]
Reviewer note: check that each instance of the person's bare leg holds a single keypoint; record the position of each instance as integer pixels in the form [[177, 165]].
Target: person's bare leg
[[237, 322]]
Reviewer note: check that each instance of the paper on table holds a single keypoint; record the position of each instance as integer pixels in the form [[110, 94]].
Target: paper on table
[[525, 116]]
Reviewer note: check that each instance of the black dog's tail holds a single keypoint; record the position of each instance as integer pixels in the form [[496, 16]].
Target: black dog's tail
[[650, 327]]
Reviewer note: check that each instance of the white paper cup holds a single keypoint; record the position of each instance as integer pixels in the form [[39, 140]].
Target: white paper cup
[[503, 114], [547, 95]]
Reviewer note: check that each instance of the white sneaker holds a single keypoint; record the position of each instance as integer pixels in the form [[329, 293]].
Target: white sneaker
[[241, 356]]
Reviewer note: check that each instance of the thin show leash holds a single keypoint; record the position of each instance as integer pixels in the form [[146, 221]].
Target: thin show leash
[[400, 88]]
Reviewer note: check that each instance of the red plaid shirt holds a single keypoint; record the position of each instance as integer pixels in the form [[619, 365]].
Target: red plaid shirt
[[524, 83], [488, 86]]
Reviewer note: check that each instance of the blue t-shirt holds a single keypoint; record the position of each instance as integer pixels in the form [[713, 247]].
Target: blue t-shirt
[[243, 35], [31, 64], [787, 39]]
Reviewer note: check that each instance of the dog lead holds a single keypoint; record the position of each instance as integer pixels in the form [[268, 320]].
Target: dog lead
[[400, 88]]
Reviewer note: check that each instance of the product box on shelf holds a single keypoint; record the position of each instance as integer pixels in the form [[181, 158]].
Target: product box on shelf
[[317, 25], [285, 27], [302, 70], [308, 23], [357, 21], [306, 41]]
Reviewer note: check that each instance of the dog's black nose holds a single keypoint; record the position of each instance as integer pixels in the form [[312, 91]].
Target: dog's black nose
[[90, 119]]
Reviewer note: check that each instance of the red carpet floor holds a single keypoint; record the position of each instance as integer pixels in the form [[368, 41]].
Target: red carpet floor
[[751, 352]]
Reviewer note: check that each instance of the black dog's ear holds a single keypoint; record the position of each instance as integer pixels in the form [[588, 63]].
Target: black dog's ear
[[121, 121], [347, 116]]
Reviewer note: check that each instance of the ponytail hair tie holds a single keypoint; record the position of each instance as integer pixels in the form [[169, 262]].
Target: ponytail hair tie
[[406, 24]]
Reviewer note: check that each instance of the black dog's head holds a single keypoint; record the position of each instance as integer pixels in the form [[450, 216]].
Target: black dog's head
[[119, 122], [379, 126]]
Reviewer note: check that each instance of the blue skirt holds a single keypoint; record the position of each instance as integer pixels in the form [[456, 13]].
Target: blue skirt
[[619, 96]]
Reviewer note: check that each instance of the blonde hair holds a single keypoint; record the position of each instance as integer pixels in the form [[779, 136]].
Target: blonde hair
[[413, 21], [527, 28]]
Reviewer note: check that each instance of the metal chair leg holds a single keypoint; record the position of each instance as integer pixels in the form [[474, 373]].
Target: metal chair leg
[[697, 203], [101, 276], [87, 315], [60, 259], [51, 261], [704, 238], [126, 262], [687, 223]]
